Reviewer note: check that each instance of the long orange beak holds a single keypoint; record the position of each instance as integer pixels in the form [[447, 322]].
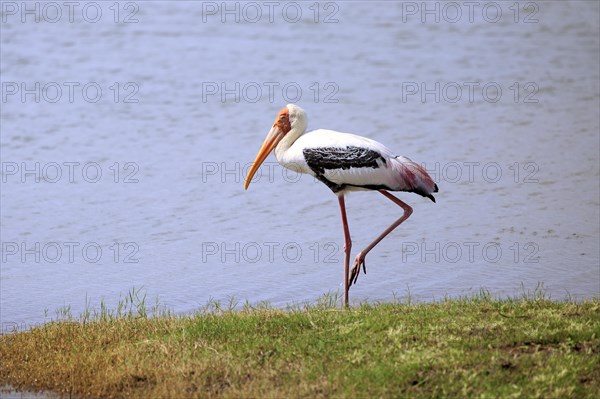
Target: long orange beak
[[273, 138]]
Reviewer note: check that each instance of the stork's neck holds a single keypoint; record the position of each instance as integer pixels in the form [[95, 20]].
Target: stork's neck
[[290, 138]]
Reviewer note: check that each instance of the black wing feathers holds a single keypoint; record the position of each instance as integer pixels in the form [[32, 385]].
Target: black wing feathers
[[322, 158]]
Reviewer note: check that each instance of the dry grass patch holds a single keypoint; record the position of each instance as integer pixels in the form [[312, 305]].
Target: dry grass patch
[[528, 347]]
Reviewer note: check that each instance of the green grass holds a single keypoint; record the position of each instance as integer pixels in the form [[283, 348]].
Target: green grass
[[471, 347]]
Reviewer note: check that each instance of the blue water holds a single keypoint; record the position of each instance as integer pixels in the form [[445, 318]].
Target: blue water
[[124, 147]]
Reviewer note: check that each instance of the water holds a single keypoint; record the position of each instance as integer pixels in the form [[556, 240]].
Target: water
[[518, 170], [9, 393]]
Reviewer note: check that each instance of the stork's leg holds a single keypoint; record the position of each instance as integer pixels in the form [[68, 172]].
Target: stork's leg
[[347, 248], [360, 258]]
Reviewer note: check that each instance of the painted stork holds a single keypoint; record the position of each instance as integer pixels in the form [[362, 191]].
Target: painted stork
[[344, 162]]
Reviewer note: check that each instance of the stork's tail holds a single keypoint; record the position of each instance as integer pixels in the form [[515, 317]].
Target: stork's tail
[[414, 178]]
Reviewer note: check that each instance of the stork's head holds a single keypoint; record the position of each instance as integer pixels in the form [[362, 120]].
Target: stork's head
[[297, 117], [290, 121]]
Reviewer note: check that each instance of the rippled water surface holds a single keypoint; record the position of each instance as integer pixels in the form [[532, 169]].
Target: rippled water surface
[[140, 185]]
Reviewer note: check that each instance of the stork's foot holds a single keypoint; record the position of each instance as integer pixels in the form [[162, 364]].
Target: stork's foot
[[358, 262]]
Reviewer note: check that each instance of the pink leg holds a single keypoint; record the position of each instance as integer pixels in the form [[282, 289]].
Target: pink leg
[[360, 258], [347, 247]]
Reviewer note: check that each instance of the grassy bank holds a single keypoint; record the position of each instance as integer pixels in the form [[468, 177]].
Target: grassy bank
[[528, 347]]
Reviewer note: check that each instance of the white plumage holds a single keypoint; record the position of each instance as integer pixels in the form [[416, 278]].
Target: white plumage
[[395, 173]]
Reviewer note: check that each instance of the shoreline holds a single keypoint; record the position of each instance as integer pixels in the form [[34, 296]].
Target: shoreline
[[476, 346]]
